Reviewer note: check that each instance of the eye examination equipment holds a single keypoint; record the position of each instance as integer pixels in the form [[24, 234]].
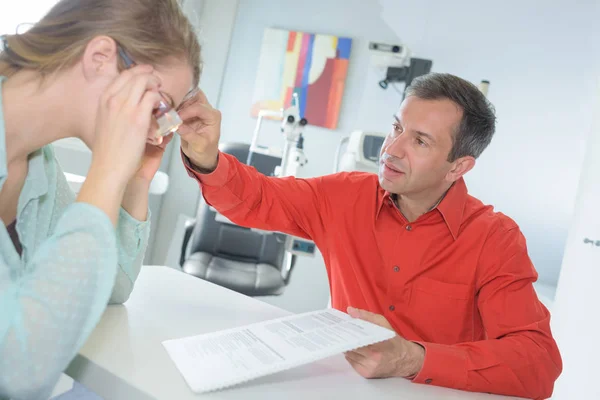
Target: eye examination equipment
[[396, 61], [292, 156], [167, 118], [406, 74], [361, 152]]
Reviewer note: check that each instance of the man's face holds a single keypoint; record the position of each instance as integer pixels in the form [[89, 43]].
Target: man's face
[[414, 156]]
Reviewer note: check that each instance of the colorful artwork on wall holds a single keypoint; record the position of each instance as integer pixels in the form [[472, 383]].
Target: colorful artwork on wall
[[312, 65]]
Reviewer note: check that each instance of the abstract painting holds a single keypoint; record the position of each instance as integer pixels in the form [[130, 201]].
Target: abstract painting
[[313, 66]]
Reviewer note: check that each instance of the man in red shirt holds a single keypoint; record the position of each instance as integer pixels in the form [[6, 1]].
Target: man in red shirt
[[409, 249]]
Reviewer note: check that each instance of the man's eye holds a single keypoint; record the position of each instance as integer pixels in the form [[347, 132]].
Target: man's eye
[[397, 128], [421, 143]]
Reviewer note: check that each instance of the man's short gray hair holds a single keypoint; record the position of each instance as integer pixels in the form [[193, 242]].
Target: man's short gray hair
[[478, 123]]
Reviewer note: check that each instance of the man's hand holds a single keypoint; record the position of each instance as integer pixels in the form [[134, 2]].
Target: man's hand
[[396, 357], [200, 132]]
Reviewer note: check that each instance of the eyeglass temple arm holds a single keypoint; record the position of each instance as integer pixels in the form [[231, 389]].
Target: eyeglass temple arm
[[128, 61]]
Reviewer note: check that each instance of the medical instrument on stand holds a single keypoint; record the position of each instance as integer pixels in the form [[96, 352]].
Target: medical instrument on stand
[[292, 159], [406, 74], [361, 152], [291, 127], [297, 158]]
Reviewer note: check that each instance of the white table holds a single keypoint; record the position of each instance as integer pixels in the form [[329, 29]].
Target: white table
[[124, 357], [158, 185]]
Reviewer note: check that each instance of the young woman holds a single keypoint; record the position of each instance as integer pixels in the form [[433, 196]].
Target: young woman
[[62, 259]]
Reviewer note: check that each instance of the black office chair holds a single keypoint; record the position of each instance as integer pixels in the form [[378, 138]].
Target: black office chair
[[238, 258]]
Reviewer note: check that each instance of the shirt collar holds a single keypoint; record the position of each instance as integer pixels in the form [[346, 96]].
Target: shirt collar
[[451, 206]]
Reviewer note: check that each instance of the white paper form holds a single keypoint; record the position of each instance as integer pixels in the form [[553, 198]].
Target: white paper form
[[220, 359]]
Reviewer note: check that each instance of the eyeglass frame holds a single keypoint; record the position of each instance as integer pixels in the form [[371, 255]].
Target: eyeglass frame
[[164, 106]]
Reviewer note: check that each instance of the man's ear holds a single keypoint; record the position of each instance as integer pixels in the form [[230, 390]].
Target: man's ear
[[460, 167], [100, 58]]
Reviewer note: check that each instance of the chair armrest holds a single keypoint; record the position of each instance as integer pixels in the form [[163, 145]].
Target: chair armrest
[[189, 228], [289, 261]]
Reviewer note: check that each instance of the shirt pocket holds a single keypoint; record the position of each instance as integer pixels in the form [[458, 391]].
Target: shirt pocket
[[442, 312]]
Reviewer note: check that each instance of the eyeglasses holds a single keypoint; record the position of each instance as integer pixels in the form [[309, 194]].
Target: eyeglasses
[[187, 99], [167, 118]]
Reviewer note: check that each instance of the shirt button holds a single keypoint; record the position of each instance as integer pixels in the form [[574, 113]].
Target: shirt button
[[428, 381], [396, 268], [392, 308], [408, 227]]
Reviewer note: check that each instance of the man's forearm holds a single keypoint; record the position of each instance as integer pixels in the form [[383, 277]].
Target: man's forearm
[[135, 199], [251, 199]]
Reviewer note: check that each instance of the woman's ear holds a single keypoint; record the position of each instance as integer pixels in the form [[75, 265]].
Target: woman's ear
[[100, 58]]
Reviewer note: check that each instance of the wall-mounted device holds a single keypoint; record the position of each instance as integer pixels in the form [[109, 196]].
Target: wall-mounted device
[[417, 67], [291, 157], [392, 48], [388, 55], [398, 64], [361, 152]]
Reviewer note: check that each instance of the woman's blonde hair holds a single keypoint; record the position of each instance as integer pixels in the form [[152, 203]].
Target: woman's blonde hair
[[150, 30]]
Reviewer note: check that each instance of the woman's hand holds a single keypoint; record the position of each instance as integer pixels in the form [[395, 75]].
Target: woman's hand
[[135, 198], [123, 121], [152, 158]]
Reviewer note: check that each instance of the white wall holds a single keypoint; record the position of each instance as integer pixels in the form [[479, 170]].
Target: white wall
[[538, 59], [571, 323]]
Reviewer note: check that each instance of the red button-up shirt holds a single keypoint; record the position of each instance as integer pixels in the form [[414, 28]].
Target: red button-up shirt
[[458, 280]]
